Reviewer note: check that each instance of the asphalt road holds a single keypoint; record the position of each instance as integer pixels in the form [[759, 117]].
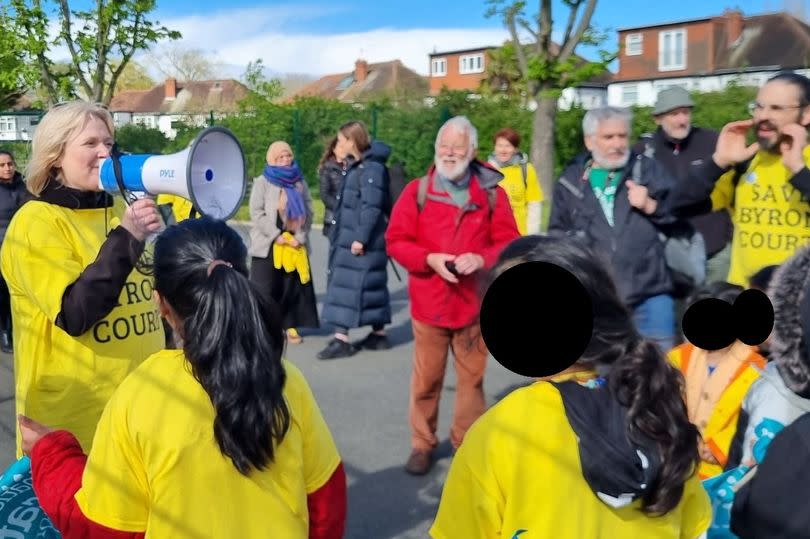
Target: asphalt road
[[365, 401]]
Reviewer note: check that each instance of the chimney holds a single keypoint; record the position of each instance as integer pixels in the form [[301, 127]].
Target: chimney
[[734, 25], [171, 88], [360, 70]]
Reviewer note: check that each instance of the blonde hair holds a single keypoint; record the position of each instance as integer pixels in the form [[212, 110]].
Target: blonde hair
[[57, 127], [275, 150]]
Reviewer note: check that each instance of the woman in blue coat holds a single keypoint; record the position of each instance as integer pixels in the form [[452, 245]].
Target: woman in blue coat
[[357, 285]]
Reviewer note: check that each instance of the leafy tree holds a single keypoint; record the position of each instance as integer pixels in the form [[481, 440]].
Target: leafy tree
[[133, 77], [135, 138], [547, 68], [101, 41], [16, 75], [263, 91]]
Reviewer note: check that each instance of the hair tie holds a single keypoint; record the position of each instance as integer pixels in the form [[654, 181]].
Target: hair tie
[[217, 262]]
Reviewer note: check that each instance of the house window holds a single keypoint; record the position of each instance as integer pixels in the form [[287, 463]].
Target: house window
[[471, 63], [438, 67], [629, 94], [8, 125], [633, 44], [672, 50]]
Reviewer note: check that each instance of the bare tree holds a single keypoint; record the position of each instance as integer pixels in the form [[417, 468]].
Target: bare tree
[[547, 68], [184, 63]]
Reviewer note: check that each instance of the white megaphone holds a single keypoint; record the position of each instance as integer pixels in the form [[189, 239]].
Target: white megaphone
[[211, 173]]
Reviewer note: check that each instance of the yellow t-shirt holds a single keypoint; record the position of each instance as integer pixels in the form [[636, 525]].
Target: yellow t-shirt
[[521, 194], [60, 380], [181, 208], [519, 469], [156, 468], [771, 218]]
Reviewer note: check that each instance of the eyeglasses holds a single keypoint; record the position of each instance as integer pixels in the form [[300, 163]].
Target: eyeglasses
[[754, 106]]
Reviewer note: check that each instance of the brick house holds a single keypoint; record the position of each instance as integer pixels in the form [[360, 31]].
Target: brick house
[[368, 81], [190, 102], [706, 54], [466, 69]]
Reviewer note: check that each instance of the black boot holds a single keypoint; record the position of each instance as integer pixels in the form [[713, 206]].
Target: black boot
[[5, 342]]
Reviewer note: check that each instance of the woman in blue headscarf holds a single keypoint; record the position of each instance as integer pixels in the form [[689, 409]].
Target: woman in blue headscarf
[[281, 215]]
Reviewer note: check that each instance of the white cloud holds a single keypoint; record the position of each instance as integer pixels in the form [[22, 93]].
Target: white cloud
[[237, 37]]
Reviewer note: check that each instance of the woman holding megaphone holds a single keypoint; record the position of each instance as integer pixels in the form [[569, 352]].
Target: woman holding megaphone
[[84, 316]]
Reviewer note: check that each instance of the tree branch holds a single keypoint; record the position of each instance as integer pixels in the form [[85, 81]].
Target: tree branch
[[523, 62], [127, 56], [64, 8], [567, 47], [544, 41], [572, 18], [529, 29]]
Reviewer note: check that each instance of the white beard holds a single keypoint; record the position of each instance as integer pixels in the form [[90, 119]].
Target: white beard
[[452, 172], [608, 163]]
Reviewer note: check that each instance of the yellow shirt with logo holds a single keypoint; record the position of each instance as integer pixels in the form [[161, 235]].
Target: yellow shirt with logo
[[771, 217], [60, 380], [518, 474], [155, 465], [521, 194]]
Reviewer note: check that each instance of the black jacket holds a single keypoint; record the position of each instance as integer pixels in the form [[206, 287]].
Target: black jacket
[[632, 246], [13, 195], [357, 286], [331, 180], [773, 504], [683, 160]]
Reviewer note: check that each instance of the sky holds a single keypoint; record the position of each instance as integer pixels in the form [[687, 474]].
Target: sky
[[318, 37]]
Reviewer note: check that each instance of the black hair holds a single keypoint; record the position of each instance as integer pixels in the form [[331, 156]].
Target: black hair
[[3, 151], [232, 337], [762, 278], [799, 81], [718, 290], [637, 373]]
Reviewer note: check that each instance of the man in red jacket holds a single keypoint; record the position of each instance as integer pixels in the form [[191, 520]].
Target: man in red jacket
[[445, 230]]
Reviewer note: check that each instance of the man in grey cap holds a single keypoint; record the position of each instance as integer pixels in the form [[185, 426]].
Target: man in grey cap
[[683, 149]]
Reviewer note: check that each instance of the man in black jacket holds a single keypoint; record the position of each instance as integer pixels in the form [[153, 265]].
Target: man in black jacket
[[616, 201], [683, 149]]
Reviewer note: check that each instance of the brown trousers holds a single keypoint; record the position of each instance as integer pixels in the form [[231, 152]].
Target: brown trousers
[[431, 344]]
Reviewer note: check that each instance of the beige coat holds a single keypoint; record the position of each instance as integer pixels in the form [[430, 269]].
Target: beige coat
[[264, 202]]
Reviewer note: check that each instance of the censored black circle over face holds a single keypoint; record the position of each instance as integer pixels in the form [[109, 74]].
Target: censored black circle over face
[[536, 319], [714, 324]]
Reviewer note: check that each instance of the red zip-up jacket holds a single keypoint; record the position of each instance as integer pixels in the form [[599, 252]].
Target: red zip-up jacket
[[443, 227]]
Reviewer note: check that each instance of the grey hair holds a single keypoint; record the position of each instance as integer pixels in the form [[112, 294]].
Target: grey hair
[[463, 125], [592, 119]]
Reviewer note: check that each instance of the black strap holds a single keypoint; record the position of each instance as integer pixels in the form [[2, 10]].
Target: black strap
[[115, 155]]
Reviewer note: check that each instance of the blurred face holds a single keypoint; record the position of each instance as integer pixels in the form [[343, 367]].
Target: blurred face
[[453, 154], [504, 151], [778, 104], [7, 168], [83, 154], [284, 159], [344, 147], [609, 144], [676, 123]]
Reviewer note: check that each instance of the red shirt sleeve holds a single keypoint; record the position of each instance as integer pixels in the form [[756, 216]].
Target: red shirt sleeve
[[57, 465], [327, 507]]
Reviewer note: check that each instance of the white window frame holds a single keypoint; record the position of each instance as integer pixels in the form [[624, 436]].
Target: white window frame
[[466, 63], [8, 124], [634, 44], [629, 88], [668, 62], [435, 66]]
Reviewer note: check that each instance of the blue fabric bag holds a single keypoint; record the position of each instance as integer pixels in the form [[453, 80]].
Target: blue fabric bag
[[21, 517]]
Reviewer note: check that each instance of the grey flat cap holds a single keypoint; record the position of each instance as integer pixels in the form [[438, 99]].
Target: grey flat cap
[[672, 98]]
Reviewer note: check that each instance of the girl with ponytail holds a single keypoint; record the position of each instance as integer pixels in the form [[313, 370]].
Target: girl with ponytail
[[222, 438], [603, 449]]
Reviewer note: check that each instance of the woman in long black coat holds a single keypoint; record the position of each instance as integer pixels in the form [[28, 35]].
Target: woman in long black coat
[[357, 285]]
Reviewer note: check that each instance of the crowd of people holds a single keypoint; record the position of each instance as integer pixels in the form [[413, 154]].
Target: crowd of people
[[135, 374]]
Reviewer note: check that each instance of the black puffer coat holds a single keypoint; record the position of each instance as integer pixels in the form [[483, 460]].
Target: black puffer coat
[[12, 196], [357, 289]]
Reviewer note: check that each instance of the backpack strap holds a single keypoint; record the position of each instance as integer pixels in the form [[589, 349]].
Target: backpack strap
[[421, 192], [571, 187], [524, 172]]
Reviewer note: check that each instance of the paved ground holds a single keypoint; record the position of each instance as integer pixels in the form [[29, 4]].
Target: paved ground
[[364, 399]]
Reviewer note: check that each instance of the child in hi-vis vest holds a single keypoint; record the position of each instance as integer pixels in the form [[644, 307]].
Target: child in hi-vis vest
[[716, 384]]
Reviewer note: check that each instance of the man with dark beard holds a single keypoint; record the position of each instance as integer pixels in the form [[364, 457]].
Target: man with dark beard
[[683, 149], [769, 199], [598, 200], [446, 229]]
